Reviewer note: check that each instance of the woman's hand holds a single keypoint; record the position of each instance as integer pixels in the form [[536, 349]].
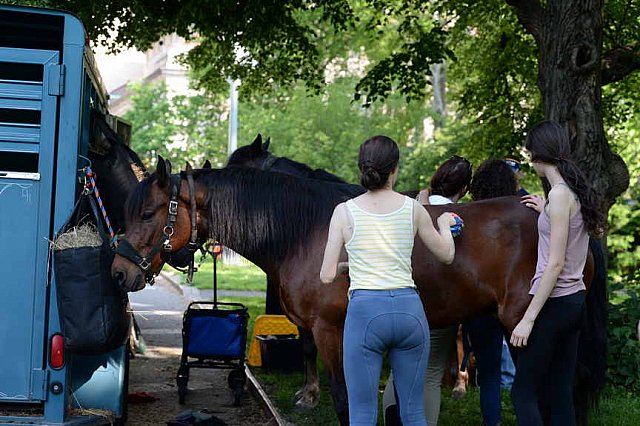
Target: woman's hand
[[423, 196], [446, 220], [521, 333], [535, 202]]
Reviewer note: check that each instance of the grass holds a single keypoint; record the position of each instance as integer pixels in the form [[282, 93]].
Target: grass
[[617, 406], [245, 277]]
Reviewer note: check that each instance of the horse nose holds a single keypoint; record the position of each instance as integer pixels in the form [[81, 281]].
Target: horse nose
[[120, 278]]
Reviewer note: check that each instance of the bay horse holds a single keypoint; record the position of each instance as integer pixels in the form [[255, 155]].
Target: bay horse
[[280, 223], [592, 350]]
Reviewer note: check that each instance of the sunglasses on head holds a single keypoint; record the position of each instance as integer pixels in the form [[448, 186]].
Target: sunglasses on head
[[514, 164]]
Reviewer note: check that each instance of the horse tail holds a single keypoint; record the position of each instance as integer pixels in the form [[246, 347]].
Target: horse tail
[[592, 345]]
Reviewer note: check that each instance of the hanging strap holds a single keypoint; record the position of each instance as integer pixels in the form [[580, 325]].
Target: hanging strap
[[90, 185]]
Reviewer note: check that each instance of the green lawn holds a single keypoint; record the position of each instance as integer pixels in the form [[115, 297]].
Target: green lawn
[[245, 277]]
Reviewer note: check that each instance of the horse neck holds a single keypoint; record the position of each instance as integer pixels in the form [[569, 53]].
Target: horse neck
[[252, 220]]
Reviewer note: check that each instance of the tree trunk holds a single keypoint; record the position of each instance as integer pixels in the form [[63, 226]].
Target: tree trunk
[[570, 42]]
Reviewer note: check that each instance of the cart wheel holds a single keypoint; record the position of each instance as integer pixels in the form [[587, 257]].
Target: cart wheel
[[182, 379], [236, 380]]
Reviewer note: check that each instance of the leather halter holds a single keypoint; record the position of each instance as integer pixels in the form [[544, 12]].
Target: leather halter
[[126, 250]]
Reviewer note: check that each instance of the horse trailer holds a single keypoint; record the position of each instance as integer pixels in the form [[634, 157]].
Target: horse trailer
[[49, 85]]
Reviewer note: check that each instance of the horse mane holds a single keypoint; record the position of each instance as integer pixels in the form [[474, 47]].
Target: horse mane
[[248, 153], [259, 213], [252, 210], [308, 172]]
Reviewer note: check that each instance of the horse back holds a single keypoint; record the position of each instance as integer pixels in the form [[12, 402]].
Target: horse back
[[494, 262]]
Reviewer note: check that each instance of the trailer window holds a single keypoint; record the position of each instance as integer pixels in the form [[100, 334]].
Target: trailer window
[[31, 30], [17, 71], [26, 162], [20, 116]]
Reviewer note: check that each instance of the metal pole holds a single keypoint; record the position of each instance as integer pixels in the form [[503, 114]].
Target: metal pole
[[233, 115]]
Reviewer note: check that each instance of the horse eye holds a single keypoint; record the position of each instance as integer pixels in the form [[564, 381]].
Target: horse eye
[[147, 215]]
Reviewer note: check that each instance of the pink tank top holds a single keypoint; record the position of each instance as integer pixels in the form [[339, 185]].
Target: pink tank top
[[570, 279]]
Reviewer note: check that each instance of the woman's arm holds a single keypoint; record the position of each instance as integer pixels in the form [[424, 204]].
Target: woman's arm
[[439, 242], [560, 200], [335, 242]]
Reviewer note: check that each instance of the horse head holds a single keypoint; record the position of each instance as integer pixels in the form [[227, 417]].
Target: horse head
[[158, 216], [117, 167], [255, 155]]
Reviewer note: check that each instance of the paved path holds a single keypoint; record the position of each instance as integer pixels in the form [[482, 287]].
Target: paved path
[[158, 311]]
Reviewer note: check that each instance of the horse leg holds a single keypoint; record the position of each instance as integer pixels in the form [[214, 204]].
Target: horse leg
[[309, 396], [462, 377], [329, 342]]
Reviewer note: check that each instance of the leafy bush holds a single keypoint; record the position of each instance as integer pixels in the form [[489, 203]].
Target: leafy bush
[[624, 347]]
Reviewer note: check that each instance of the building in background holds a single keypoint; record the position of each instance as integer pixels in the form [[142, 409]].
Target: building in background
[[161, 63]]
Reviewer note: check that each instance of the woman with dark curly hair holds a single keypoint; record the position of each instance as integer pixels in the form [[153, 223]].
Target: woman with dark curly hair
[[549, 330]]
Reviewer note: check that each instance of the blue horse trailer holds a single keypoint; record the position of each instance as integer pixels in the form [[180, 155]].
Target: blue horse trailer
[[48, 86]]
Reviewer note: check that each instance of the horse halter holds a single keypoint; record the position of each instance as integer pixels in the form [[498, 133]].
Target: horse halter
[[126, 250]]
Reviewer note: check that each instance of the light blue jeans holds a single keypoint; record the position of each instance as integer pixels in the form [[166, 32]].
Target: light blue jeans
[[380, 321]]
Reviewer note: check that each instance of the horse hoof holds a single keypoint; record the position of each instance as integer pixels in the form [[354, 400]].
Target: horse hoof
[[458, 394]]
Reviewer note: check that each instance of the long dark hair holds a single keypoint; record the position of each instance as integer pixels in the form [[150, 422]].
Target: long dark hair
[[378, 157], [493, 178], [548, 142], [451, 177]]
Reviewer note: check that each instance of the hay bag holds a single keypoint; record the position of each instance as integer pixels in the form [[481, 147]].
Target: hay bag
[[92, 308]]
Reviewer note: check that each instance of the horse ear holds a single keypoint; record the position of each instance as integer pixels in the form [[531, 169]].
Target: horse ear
[[206, 165], [188, 167], [163, 171], [265, 146], [256, 145]]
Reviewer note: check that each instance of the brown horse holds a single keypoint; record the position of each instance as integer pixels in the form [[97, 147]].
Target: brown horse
[[280, 223]]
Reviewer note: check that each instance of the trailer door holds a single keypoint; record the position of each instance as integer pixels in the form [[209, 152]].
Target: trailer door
[[30, 81]]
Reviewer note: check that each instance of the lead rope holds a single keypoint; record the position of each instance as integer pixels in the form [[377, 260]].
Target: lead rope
[[90, 185]]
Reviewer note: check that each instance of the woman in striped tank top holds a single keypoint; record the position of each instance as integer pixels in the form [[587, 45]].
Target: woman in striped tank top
[[385, 313], [548, 332]]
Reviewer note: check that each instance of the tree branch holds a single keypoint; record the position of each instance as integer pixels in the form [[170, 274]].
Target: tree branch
[[620, 62], [529, 14]]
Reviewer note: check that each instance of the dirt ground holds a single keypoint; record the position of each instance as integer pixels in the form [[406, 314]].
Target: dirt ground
[[155, 373], [159, 312]]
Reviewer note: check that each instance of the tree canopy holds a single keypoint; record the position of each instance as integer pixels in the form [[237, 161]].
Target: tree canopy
[[511, 62]]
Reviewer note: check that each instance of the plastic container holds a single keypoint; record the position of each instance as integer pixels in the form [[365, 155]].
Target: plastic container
[[281, 353]]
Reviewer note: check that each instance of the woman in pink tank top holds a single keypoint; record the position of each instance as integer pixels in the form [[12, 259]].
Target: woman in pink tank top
[[548, 333]]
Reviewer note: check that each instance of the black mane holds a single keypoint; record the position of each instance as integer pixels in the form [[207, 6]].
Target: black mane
[[265, 214], [260, 214]]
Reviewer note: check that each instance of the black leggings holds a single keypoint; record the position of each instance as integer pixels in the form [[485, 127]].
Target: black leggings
[[546, 367]]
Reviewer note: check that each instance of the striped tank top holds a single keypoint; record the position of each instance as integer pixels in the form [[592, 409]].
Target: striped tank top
[[380, 248]]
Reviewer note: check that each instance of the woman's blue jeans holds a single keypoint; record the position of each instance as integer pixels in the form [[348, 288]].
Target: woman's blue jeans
[[380, 321]]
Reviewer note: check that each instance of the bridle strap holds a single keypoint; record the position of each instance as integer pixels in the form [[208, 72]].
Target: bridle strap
[[172, 214], [193, 243]]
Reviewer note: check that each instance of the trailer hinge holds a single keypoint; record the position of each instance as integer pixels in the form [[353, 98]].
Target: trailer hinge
[[56, 80], [39, 384]]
